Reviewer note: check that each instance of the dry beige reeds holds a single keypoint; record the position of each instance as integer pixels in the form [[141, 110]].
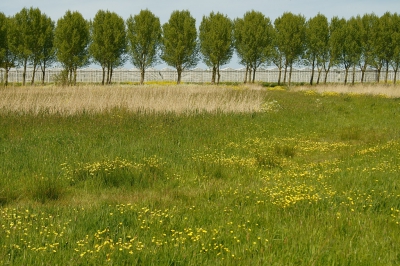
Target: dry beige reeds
[[179, 99], [368, 89]]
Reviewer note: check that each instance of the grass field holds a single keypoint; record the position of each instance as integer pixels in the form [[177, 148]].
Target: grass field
[[199, 175]]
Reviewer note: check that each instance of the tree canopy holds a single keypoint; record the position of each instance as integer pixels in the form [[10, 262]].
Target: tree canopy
[[216, 42], [180, 47], [71, 39], [144, 40], [253, 40], [108, 41]]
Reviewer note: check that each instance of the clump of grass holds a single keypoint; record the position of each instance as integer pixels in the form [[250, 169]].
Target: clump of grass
[[47, 189], [350, 133]]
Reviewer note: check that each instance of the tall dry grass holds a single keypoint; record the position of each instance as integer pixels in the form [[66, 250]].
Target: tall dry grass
[[179, 99], [366, 89]]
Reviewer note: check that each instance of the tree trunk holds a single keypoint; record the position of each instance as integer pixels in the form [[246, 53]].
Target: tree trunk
[[219, 75], [214, 71], [108, 73], [378, 77], [33, 73], [346, 74], [142, 71], [319, 75], [70, 77], [387, 72], [75, 69], [111, 72], [254, 74], [179, 69], [312, 72], [43, 71], [104, 74], [24, 73], [354, 74], [279, 76], [245, 76], [250, 72], [6, 78], [326, 70], [284, 75], [290, 73]]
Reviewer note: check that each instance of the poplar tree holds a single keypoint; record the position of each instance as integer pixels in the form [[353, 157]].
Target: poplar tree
[[27, 46], [47, 49], [368, 22], [108, 46], [144, 40], [180, 48], [253, 40], [71, 39], [3, 38], [395, 62], [216, 42], [317, 43], [8, 37], [290, 36]]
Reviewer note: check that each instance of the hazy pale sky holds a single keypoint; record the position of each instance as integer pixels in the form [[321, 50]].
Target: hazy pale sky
[[199, 8]]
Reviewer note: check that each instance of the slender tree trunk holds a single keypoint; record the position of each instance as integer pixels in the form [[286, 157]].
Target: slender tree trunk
[[219, 74], [6, 78], [108, 73], [179, 69], [111, 73], [354, 75], [245, 76], [142, 71], [24, 73], [312, 72], [346, 74], [250, 72], [290, 73], [214, 71], [75, 69], [395, 77], [70, 76], [378, 74], [254, 74], [326, 74], [284, 75], [104, 74], [387, 72], [279, 76], [33, 73], [319, 75], [43, 68], [362, 75]]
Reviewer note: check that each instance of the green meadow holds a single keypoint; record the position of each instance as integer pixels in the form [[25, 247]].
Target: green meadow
[[292, 178]]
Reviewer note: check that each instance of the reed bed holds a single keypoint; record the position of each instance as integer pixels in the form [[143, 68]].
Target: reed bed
[[177, 99], [387, 90]]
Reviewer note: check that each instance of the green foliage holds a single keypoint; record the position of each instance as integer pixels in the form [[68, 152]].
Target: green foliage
[[144, 40], [216, 42], [108, 41], [290, 38], [47, 55], [317, 43], [71, 39], [180, 48], [253, 40], [3, 37]]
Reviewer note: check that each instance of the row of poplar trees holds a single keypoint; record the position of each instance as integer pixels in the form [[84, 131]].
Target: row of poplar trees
[[31, 38]]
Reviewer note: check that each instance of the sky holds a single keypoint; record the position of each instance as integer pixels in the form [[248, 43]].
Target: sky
[[199, 8]]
